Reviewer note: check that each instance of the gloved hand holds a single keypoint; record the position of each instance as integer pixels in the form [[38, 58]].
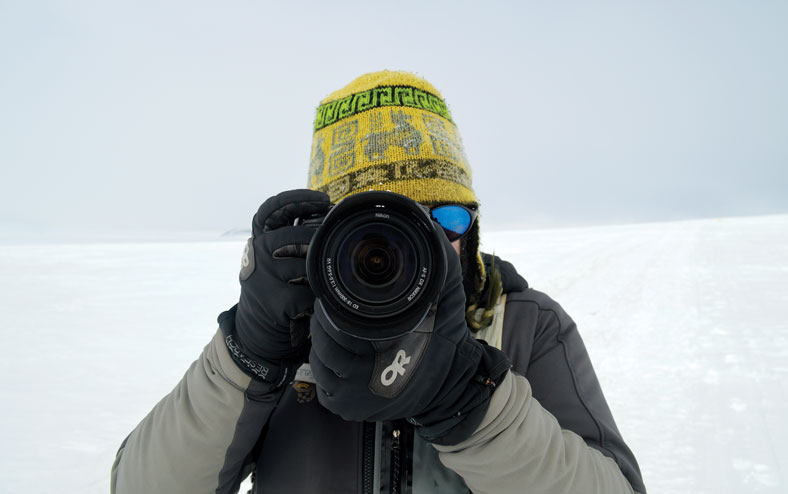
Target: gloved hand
[[266, 333], [440, 380]]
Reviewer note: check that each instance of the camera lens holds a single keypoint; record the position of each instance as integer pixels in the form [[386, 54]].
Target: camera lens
[[376, 263]]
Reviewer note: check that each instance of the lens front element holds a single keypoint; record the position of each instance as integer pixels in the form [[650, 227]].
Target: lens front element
[[376, 263]]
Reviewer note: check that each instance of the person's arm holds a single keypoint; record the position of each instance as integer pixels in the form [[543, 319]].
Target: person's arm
[[557, 412], [197, 439], [521, 447]]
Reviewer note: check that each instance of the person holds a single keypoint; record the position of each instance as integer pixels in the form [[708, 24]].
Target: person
[[500, 398]]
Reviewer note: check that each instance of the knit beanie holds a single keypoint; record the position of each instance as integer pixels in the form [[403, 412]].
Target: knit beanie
[[392, 130]]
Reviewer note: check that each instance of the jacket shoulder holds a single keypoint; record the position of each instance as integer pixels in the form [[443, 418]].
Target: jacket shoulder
[[532, 323], [527, 313], [541, 300], [545, 347], [517, 288]]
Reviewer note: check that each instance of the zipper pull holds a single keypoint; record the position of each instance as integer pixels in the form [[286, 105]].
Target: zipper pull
[[395, 463]]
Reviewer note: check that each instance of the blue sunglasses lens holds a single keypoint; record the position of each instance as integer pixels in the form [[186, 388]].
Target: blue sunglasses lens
[[453, 219]]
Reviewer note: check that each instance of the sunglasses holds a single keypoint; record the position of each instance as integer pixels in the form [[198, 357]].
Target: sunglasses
[[455, 219]]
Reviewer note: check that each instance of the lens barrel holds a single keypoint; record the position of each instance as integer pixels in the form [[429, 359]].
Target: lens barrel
[[377, 264]]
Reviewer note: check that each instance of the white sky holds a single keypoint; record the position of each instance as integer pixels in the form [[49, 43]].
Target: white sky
[[187, 115]]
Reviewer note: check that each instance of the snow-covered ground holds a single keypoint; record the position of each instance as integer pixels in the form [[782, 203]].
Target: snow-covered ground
[[686, 322]]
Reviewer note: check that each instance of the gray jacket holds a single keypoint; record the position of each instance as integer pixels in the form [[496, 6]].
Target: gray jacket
[[548, 428]]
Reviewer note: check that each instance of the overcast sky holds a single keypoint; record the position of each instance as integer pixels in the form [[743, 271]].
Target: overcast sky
[[187, 115]]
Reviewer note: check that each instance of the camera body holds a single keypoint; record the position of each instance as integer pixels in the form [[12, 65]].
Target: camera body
[[376, 264]]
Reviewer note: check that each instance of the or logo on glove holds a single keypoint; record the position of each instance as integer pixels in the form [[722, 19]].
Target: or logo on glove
[[396, 368]]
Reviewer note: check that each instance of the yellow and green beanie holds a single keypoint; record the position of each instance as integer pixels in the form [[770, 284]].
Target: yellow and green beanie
[[392, 130], [389, 131]]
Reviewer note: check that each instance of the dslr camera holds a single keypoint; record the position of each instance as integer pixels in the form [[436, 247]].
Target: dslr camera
[[376, 264]]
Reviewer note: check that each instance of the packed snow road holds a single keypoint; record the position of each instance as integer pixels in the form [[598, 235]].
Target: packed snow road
[[686, 323]]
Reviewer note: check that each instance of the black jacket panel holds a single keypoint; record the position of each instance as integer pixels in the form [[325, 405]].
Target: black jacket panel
[[547, 349], [308, 449]]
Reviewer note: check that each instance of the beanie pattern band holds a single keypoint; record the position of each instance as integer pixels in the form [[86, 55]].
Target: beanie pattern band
[[417, 179], [408, 96]]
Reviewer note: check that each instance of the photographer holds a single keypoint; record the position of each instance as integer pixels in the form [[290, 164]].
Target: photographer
[[493, 392]]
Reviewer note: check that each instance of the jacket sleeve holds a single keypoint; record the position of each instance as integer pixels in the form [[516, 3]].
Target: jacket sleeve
[[519, 447], [550, 420], [198, 438]]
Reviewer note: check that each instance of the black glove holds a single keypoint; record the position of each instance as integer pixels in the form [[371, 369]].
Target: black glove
[[441, 380], [266, 332]]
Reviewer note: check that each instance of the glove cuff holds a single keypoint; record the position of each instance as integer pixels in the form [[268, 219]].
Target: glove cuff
[[493, 366], [276, 373]]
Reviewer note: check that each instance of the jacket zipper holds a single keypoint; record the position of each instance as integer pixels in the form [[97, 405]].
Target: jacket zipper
[[395, 462], [374, 446], [368, 464]]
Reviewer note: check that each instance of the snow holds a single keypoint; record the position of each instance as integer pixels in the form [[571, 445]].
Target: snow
[[686, 323]]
